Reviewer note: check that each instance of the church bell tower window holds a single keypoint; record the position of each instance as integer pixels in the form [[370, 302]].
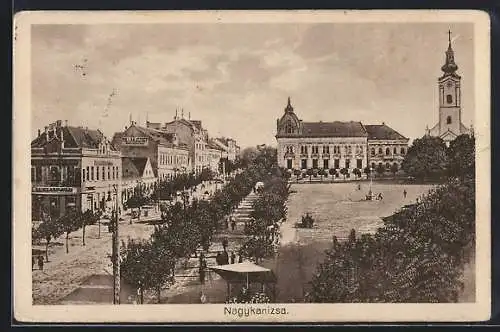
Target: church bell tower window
[[449, 99], [448, 120]]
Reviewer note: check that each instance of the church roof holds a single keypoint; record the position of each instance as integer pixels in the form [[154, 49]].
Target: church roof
[[383, 132], [333, 129]]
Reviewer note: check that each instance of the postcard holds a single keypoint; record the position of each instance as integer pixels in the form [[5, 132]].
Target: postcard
[[251, 166]]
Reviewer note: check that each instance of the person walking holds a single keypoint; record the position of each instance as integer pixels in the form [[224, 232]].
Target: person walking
[[226, 223], [40, 263], [240, 259], [233, 257], [202, 268], [233, 224], [404, 193]]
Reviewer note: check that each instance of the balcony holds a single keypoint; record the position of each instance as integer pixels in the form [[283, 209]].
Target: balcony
[[326, 156]]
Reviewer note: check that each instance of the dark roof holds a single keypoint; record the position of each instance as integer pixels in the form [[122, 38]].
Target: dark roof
[[213, 145], [197, 124], [157, 135], [135, 166], [333, 129], [74, 137], [383, 132]]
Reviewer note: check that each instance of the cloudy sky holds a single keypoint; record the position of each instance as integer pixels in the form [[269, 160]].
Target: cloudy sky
[[236, 77]]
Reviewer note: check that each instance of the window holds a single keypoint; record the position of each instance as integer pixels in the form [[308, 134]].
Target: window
[[104, 173], [387, 151], [303, 149], [448, 120], [33, 174], [380, 151], [347, 163], [373, 152], [326, 149], [315, 163], [113, 172], [359, 163], [97, 173], [325, 164], [387, 165], [395, 150], [303, 163], [373, 165], [92, 173], [83, 174], [315, 149], [289, 164], [449, 99], [402, 150], [109, 173], [288, 127], [336, 164]]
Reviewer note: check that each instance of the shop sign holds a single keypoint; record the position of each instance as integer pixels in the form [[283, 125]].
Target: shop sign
[[55, 190], [136, 141], [103, 163]]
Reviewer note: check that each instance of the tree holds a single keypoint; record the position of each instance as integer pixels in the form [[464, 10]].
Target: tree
[[136, 202], [257, 248], [147, 265], [297, 173], [88, 218], [344, 171], [380, 169], [356, 172], [333, 172], [70, 222], [394, 168], [48, 230], [461, 156], [321, 172], [310, 173], [426, 159]]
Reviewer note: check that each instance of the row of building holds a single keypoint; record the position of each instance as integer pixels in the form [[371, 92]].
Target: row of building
[[80, 167], [304, 145]]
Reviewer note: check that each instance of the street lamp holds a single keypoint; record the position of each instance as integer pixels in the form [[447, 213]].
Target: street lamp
[[370, 193], [116, 251]]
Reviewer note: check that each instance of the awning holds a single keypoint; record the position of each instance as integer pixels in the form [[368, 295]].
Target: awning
[[245, 272]]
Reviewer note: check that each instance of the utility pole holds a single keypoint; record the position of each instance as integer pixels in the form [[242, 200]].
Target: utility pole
[[116, 253]]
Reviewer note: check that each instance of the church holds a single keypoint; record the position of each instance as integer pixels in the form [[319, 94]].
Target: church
[[326, 145], [450, 123]]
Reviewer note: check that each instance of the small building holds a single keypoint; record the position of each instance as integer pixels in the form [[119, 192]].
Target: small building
[[137, 176], [386, 147], [73, 167]]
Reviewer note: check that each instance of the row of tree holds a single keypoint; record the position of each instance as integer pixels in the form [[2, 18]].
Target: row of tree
[[186, 228], [417, 256], [71, 221], [430, 159], [267, 213]]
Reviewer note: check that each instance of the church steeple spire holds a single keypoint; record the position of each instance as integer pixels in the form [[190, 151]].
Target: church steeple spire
[[289, 107], [449, 67]]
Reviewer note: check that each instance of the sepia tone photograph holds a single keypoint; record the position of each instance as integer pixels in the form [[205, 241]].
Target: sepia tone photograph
[[255, 165]]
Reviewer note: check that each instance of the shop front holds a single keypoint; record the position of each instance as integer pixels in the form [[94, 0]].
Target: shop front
[[53, 201]]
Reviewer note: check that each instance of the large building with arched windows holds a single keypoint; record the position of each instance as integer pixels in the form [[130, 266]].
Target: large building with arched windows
[[325, 145]]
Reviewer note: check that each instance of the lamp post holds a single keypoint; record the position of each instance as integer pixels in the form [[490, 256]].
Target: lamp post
[[116, 252], [370, 193]]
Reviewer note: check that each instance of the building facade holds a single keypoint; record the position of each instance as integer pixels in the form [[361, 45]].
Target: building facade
[[73, 167], [228, 146], [326, 145], [137, 176], [166, 154], [386, 147], [450, 124]]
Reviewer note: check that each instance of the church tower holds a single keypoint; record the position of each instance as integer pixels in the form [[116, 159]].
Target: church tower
[[450, 100]]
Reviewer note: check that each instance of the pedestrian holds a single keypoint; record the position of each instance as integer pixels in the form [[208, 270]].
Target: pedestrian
[[226, 223], [233, 224], [240, 259], [203, 298], [359, 186], [40, 263], [233, 257], [404, 193]]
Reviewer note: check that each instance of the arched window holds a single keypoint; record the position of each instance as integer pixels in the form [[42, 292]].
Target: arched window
[[387, 165], [448, 120], [373, 165], [288, 127], [449, 99], [373, 152], [402, 150], [380, 151], [387, 151], [395, 151]]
